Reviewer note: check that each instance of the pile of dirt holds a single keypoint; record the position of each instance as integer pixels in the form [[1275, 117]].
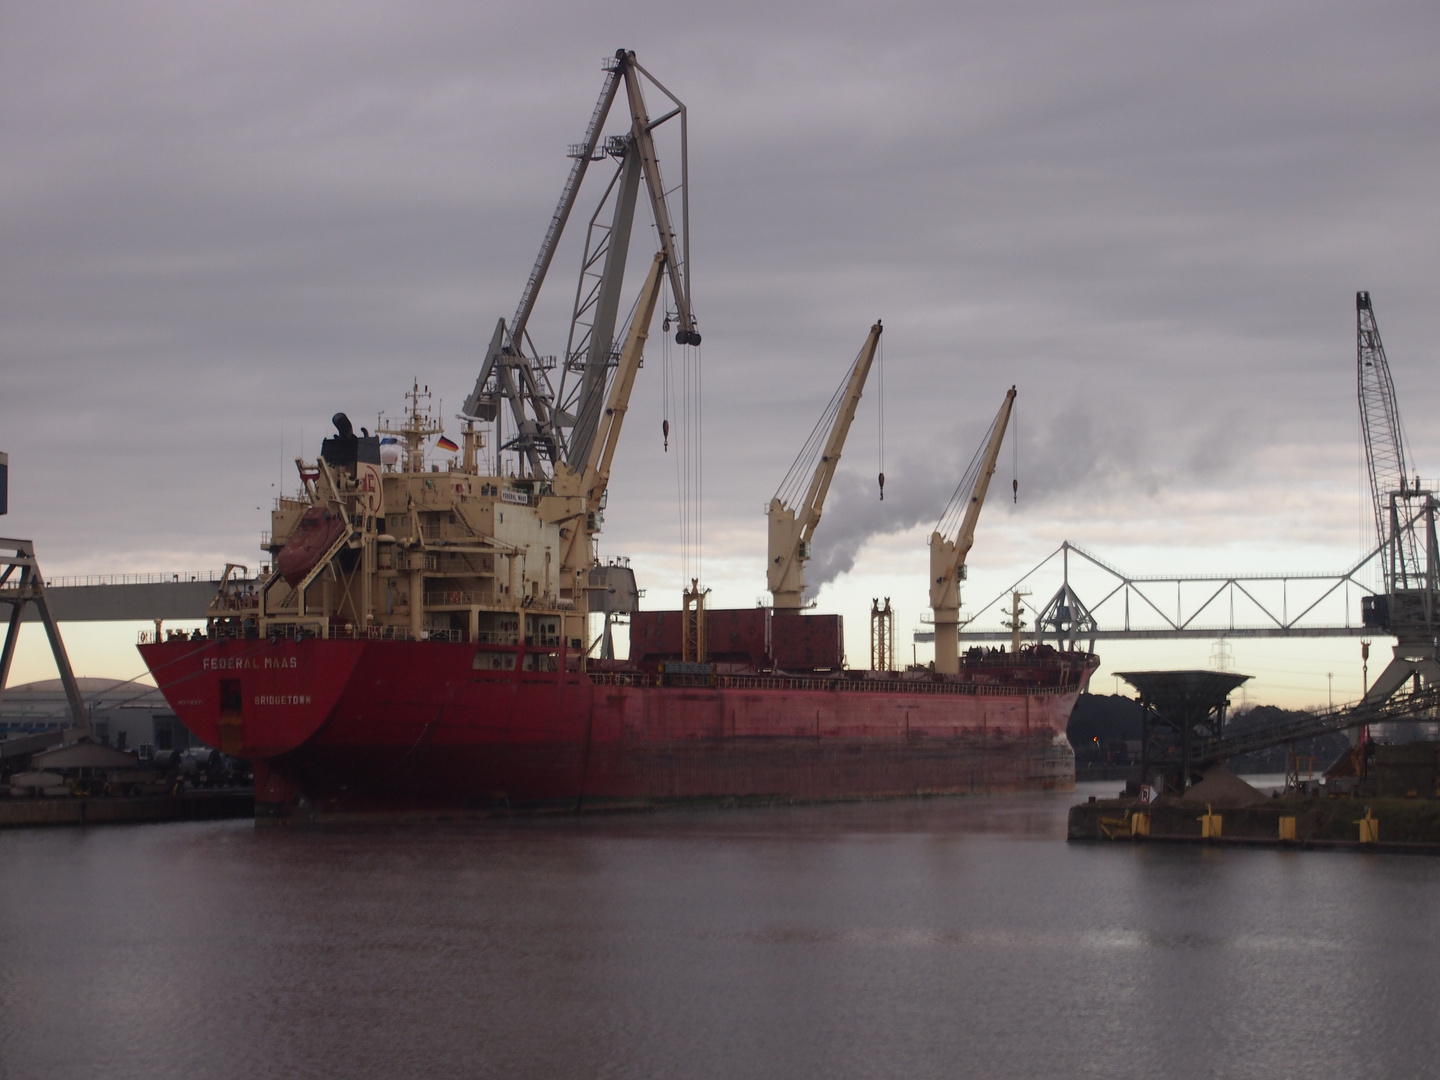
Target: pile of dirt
[[1221, 787]]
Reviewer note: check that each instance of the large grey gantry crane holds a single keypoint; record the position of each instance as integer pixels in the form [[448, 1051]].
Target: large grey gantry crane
[[555, 416], [1409, 608]]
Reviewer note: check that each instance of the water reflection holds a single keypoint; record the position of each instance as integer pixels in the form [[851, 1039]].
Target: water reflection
[[919, 938]]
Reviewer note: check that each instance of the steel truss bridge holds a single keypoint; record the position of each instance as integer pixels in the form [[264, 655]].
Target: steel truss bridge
[[1174, 606]]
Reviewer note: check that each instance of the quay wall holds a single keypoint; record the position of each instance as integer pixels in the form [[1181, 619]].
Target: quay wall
[[127, 809]]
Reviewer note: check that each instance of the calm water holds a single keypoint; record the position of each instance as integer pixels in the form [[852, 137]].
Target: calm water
[[938, 938]]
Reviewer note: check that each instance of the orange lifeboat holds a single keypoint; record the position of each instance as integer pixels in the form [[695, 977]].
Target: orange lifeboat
[[314, 535]]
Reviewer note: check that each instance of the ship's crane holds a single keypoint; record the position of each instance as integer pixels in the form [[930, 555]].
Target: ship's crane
[[947, 557], [582, 488], [1410, 605], [793, 515], [556, 422], [1390, 485]]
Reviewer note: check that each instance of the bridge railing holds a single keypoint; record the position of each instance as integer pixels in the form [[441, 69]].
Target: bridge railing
[[78, 581]]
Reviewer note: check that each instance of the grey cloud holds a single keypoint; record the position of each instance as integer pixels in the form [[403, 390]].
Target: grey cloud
[[221, 219]]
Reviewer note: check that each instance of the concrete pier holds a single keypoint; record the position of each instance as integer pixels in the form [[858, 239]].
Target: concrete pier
[[1305, 821], [127, 809]]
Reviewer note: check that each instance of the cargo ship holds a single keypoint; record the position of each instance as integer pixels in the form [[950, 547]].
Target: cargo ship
[[433, 630]]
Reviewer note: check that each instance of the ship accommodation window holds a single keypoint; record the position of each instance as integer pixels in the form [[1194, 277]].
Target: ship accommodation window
[[494, 661], [452, 519]]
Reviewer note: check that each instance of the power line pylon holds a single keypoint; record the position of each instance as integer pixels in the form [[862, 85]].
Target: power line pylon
[[882, 636]]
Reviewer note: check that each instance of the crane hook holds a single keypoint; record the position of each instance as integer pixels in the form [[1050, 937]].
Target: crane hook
[[1015, 490], [665, 431], [882, 487]]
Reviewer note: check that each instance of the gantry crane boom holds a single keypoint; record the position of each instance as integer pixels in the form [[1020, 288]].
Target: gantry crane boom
[[580, 491], [1410, 606], [1384, 448], [947, 557], [557, 424], [793, 526]]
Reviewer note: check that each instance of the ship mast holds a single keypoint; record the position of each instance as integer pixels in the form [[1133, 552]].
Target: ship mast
[[417, 427]]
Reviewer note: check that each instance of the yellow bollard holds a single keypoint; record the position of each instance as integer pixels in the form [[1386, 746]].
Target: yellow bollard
[[1287, 828], [1369, 828], [1209, 824], [1139, 824]]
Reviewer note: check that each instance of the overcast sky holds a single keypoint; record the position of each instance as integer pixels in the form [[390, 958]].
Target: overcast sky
[[221, 223]]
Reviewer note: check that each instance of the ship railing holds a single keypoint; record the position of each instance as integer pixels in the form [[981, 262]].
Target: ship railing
[[801, 682], [153, 637], [237, 628], [462, 598], [73, 581]]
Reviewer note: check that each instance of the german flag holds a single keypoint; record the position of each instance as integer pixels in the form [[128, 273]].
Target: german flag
[[446, 444]]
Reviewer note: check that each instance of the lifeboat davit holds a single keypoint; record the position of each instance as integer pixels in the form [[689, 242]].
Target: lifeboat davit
[[314, 535]]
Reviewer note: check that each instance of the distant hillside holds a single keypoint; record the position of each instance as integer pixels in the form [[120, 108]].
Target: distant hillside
[[1104, 729], [1104, 717], [1323, 748]]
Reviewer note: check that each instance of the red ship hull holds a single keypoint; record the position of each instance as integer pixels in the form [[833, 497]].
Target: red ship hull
[[357, 725]]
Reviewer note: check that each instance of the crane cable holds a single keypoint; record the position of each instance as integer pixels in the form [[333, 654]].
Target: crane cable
[[954, 511], [1014, 455], [688, 386], [881, 410], [797, 480]]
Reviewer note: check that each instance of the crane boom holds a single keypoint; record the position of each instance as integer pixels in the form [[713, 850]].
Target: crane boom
[[793, 527], [947, 557], [1384, 447], [583, 489], [552, 423]]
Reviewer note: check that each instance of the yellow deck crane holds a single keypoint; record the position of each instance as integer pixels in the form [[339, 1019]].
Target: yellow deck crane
[[947, 557], [578, 491], [793, 516]]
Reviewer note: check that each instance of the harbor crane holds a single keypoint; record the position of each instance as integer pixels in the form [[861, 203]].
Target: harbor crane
[[1409, 608], [581, 490], [947, 557], [793, 515], [555, 422]]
